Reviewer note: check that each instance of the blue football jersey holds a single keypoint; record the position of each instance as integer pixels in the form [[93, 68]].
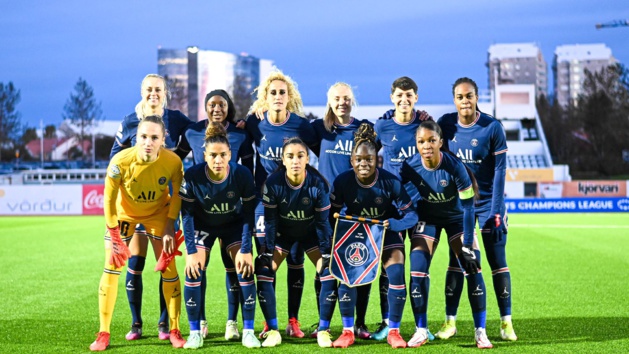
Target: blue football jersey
[[240, 145], [176, 124], [440, 189], [384, 199], [478, 145], [397, 141], [268, 139], [297, 212], [335, 151], [217, 203]]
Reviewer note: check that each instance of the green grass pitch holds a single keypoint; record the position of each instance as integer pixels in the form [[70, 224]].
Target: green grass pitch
[[569, 272]]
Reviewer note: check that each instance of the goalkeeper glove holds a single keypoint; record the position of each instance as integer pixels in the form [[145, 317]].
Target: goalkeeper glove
[[165, 258], [469, 260], [119, 250]]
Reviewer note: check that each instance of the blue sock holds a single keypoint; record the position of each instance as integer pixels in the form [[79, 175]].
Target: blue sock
[[233, 294], [454, 285], [248, 291], [347, 301], [327, 299], [231, 286], [192, 297], [397, 294], [266, 296], [295, 277], [384, 294], [203, 289], [164, 320], [317, 287], [497, 259], [420, 286], [135, 287], [362, 300]]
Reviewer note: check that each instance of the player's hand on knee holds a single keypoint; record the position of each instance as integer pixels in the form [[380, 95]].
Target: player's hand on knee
[[325, 263], [244, 264], [468, 260], [194, 264], [264, 260]]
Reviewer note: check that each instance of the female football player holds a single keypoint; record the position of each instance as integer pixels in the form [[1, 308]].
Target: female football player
[[220, 108], [154, 91], [481, 144], [296, 201], [136, 191], [218, 201], [374, 193], [446, 192]]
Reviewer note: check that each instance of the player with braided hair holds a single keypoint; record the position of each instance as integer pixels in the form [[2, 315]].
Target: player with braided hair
[[372, 192]]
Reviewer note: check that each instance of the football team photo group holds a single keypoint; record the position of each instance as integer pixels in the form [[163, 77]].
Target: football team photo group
[[365, 203]]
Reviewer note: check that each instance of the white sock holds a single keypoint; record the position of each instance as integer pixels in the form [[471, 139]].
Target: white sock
[[505, 318], [451, 318]]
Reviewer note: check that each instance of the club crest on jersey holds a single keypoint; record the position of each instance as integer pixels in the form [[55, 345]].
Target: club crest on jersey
[[231, 194], [443, 183], [474, 142], [305, 201], [356, 254], [162, 180], [378, 200], [114, 171]]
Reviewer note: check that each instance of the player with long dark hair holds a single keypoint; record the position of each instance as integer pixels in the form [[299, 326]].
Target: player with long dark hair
[[374, 193], [218, 201], [446, 202], [136, 191], [479, 140], [296, 205], [220, 108]]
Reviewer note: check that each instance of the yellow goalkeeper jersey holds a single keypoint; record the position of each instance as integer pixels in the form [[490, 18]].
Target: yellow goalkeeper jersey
[[135, 189]]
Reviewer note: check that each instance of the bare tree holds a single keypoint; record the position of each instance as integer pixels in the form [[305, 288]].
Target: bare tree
[[82, 109], [9, 116]]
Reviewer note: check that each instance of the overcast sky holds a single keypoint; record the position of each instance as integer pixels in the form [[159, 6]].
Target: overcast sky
[[46, 46]]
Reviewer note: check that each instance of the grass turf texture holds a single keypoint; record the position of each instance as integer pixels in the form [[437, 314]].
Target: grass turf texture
[[569, 276]]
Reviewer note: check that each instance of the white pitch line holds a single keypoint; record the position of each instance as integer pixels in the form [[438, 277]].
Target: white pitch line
[[563, 226]]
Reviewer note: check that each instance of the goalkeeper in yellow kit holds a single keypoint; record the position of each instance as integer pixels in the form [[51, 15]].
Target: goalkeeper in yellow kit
[[136, 192]]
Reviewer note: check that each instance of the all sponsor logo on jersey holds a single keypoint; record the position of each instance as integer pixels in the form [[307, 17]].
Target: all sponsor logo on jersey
[[146, 196], [356, 254], [162, 180]]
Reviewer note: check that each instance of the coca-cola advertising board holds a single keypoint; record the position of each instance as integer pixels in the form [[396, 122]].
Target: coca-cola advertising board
[[93, 199]]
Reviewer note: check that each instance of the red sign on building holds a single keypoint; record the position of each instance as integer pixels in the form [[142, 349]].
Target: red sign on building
[[93, 199]]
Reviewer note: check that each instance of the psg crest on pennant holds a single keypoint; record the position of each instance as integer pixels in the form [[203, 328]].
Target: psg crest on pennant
[[356, 251]]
